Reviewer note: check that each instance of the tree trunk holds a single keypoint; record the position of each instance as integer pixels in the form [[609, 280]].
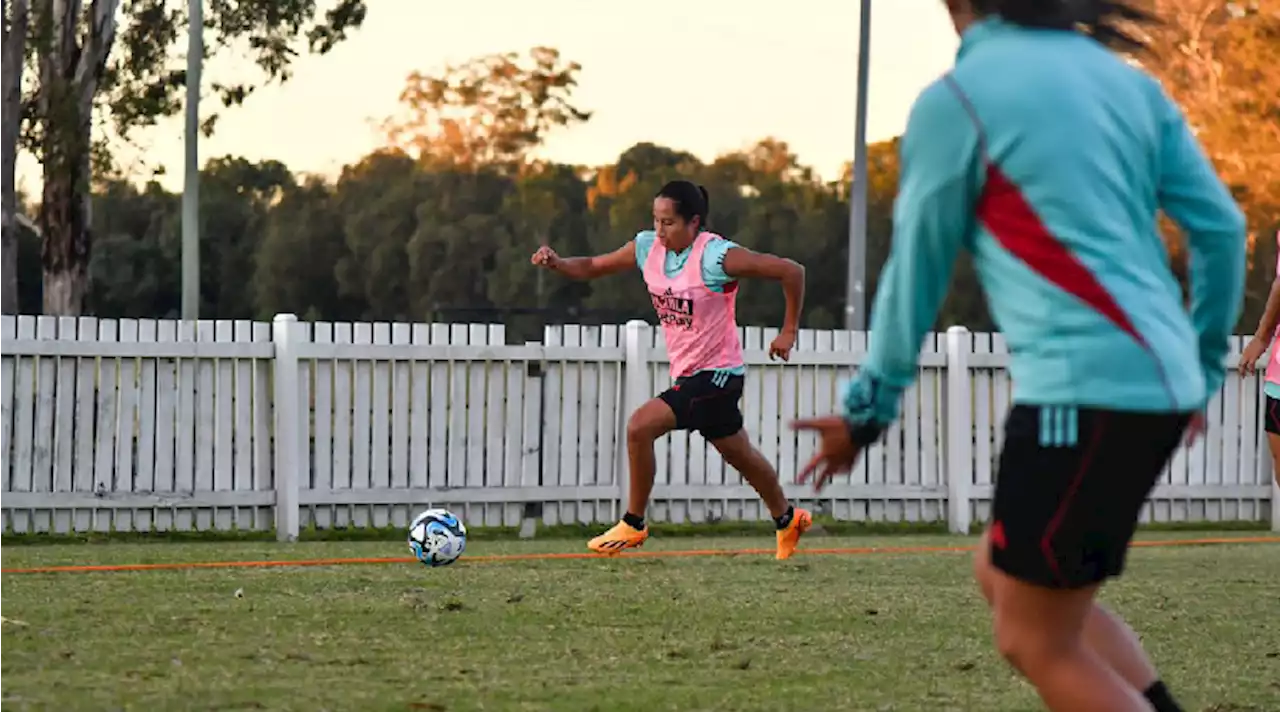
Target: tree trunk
[[64, 220], [64, 204], [8, 238], [15, 46], [69, 74], [9, 247]]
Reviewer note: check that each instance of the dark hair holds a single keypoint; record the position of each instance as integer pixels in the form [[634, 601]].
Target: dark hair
[[1102, 20], [691, 200]]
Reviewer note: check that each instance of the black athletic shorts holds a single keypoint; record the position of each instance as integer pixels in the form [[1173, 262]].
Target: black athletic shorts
[[707, 402], [1271, 417], [1069, 489]]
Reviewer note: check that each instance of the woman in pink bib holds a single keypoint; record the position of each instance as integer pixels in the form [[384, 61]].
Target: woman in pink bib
[[1268, 335], [692, 276]]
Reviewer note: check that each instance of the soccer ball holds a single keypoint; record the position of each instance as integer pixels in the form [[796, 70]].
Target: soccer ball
[[437, 537]]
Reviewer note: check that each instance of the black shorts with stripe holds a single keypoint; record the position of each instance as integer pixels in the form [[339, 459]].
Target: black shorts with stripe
[[1070, 487], [1271, 416], [707, 402]]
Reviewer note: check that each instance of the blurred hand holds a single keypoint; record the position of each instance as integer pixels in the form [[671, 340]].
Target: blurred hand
[[1195, 428], [836, 450]]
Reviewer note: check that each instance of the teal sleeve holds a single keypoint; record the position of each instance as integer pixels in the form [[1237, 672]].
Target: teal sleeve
[[644, 244], [932, 219], [1196, 199], [713, 274]]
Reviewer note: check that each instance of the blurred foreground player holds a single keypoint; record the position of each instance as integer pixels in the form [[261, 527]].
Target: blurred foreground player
[[1046, 156]]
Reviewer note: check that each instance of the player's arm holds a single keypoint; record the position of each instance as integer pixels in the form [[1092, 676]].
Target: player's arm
[[1266, 327], [742, 263], [932, 220], [1197, 200], [584, 268], [1270, 314]]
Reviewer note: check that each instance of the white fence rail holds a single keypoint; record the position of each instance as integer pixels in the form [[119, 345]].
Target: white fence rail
[[166, 425]]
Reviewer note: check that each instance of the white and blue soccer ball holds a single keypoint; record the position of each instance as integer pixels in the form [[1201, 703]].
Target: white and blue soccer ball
[[437, 537]]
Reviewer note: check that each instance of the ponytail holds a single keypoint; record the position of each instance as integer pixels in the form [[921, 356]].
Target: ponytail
[[706, 207], [1103, 20]]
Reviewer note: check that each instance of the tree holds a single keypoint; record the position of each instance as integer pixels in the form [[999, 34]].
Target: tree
[[121, 67], [1221, 62], [490, 111], [236, 196], [547, 207], [772, 157], [378, 201], [137, 251], [644, 160], [17, 15], [295, 261]]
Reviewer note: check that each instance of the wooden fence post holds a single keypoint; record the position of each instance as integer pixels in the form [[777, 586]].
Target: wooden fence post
[[289, 459], [959, 430]]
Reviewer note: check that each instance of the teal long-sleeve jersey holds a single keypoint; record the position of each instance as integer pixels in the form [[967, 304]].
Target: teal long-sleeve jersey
[[1047, 157]]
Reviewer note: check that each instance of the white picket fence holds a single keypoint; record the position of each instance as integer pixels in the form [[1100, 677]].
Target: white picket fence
[[166, 425]]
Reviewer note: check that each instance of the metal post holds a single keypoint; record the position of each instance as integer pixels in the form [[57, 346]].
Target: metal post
[[191, 166], [855, 309]]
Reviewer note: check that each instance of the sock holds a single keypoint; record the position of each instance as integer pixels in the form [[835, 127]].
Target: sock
[[785, 520], [1159, 697], [633, 521]]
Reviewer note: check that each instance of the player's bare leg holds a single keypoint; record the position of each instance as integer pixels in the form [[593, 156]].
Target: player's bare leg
[[651, 421], [1108, 638], [791, 522]]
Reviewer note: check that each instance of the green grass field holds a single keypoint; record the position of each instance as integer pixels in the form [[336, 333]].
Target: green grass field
[[877, 631]]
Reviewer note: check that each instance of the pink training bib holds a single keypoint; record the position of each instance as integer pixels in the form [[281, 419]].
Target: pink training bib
[[1273, 363], [700, 325]]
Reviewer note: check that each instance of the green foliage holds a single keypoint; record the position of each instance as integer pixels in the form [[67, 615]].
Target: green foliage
[[94, 73], [393, 238], [439, 225], [144, 76]]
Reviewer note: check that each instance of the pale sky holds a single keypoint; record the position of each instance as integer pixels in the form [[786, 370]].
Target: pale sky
[[763, 68]]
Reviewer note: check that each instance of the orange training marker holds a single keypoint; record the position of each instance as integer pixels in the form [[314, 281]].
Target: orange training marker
[[500, 558]]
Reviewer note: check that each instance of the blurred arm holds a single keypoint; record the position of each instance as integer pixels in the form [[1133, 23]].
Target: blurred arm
[[932, 218], [1196, 199]]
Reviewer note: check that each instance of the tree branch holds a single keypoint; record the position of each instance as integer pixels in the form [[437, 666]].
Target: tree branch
[[66, 16], [15, 49], [93, 60]]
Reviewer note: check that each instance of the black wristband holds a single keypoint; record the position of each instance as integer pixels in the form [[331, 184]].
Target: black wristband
[[864, 434]]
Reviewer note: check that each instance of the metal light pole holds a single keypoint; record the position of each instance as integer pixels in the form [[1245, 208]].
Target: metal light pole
[[191, 165], [855, 305]]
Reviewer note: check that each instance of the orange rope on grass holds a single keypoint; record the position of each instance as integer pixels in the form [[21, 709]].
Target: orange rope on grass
[[501, 558]]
